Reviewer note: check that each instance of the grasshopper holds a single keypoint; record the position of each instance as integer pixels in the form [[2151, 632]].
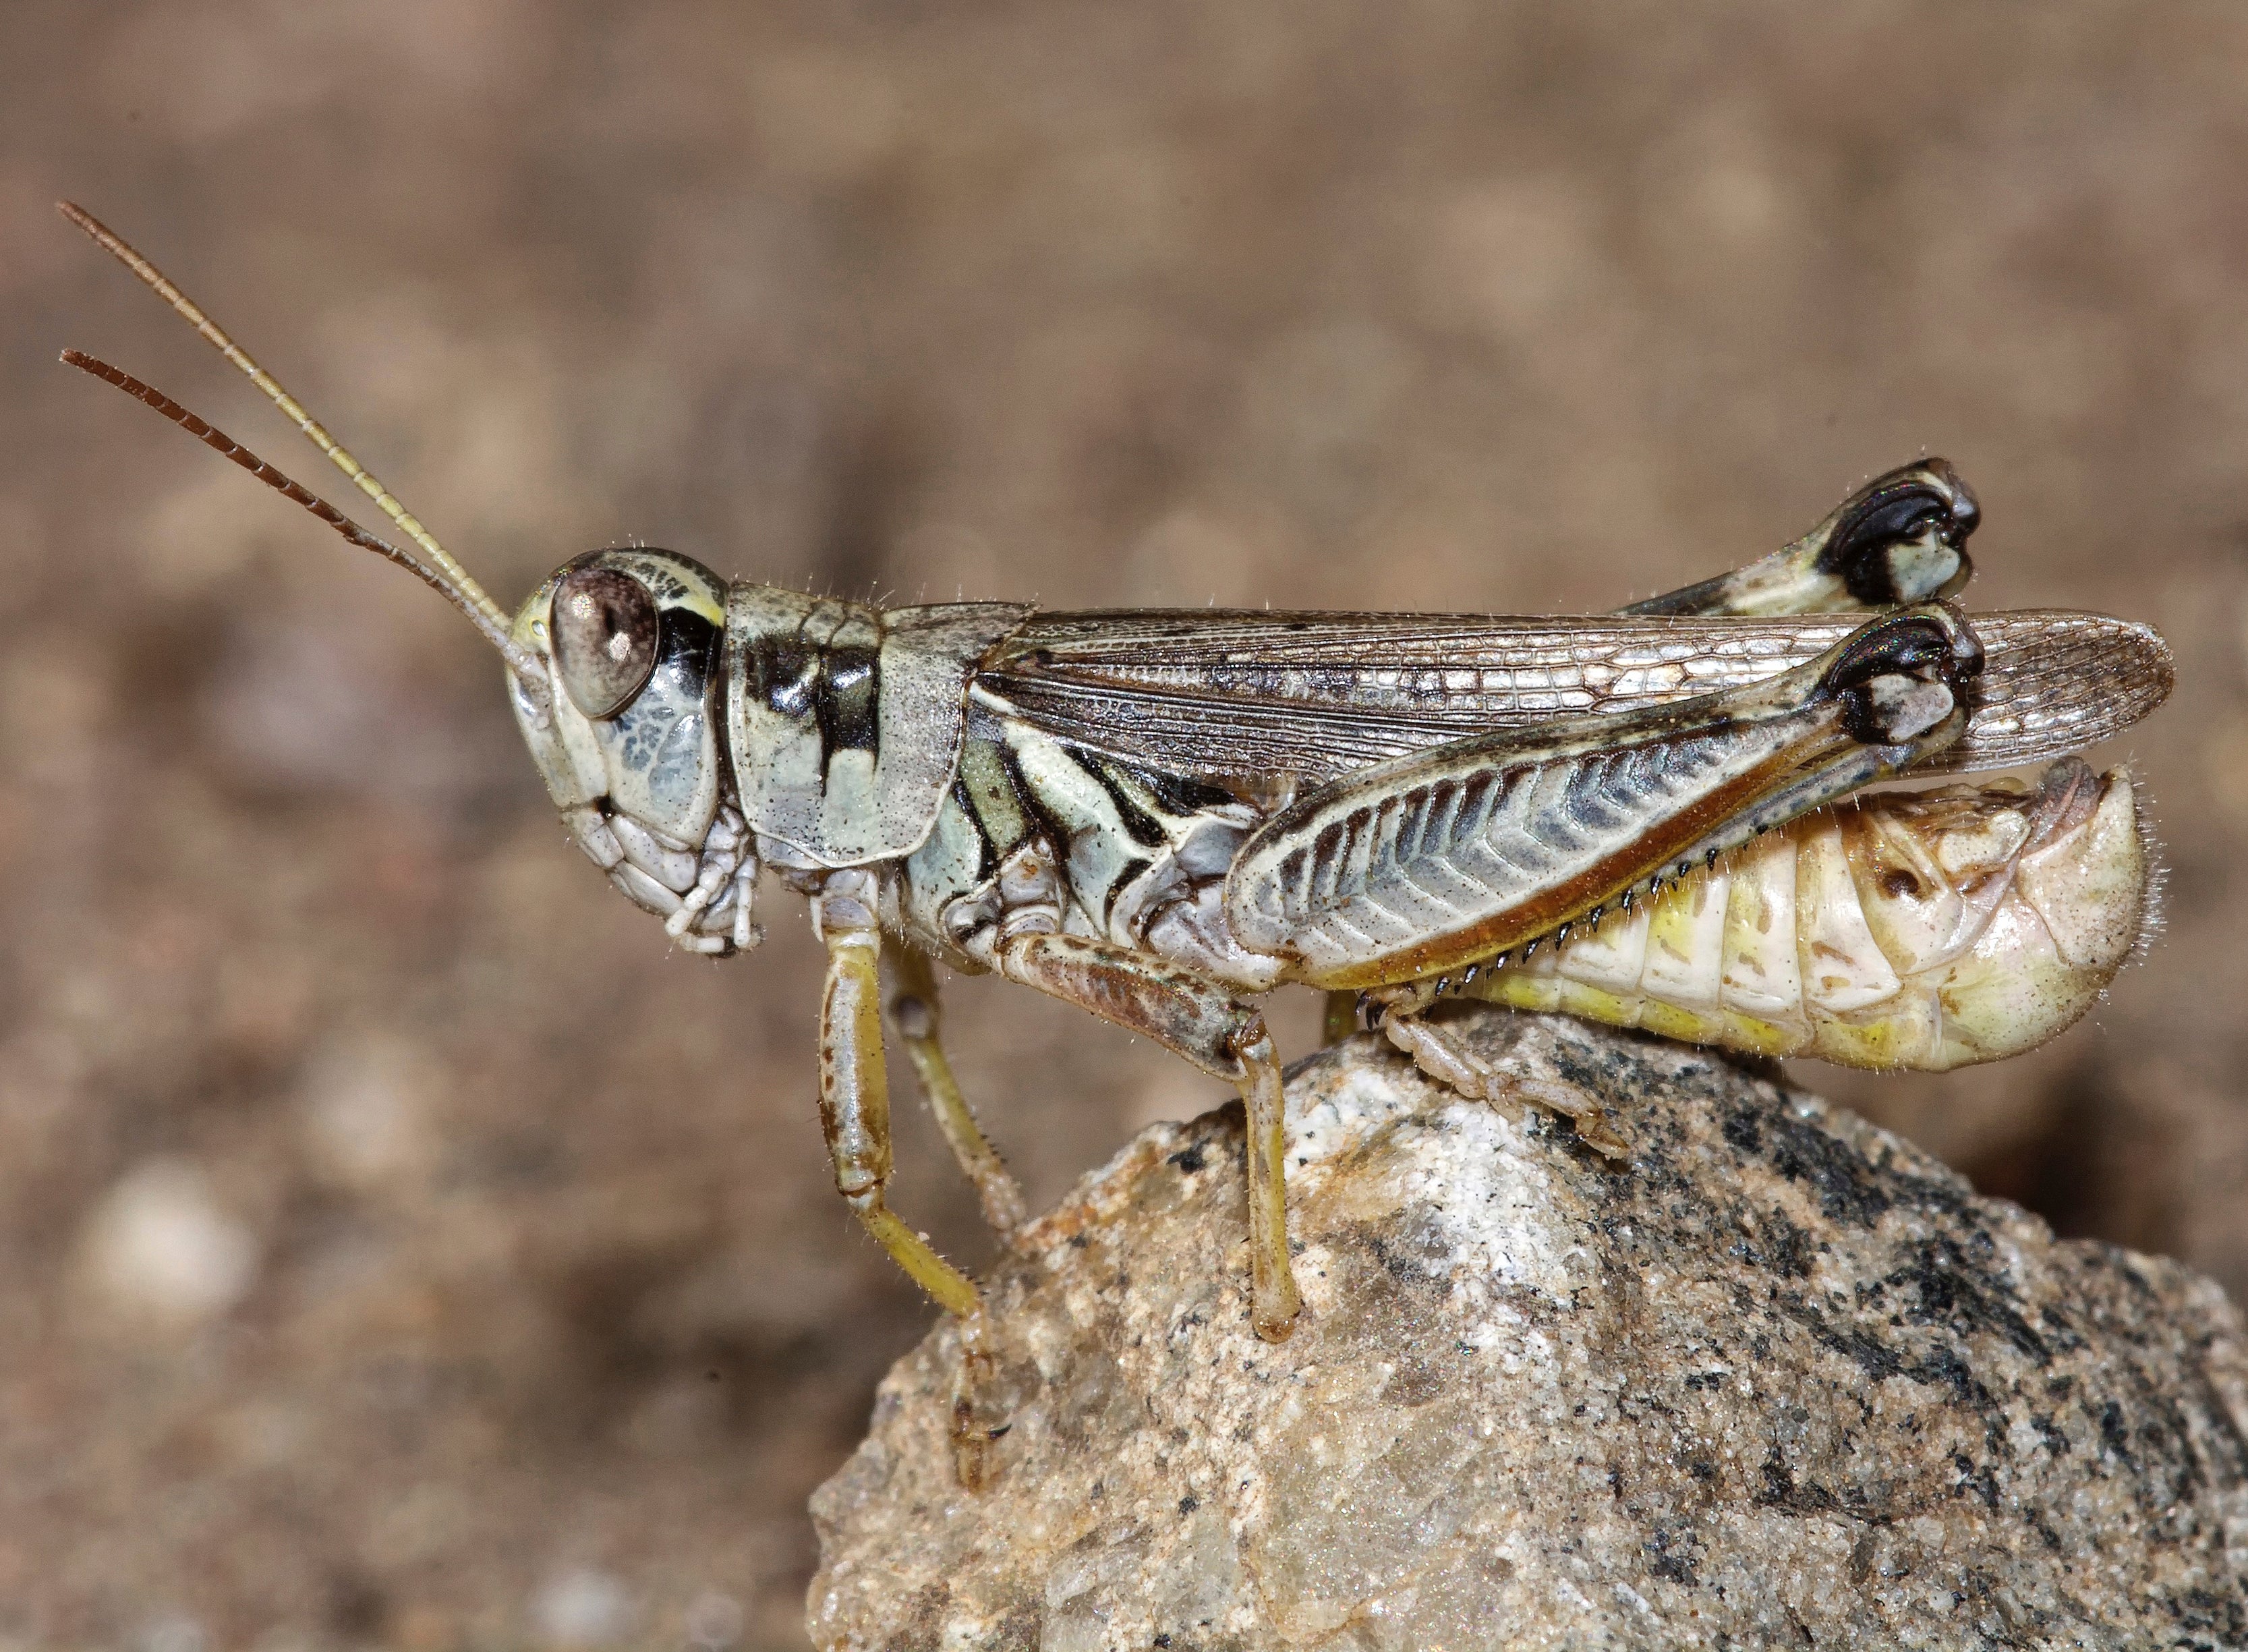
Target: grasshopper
[[1643, 816]]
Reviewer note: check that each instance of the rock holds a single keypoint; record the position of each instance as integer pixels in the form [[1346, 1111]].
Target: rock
[[1776, 1379]]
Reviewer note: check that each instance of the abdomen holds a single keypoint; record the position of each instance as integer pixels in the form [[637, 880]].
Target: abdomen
[[1929, 930]]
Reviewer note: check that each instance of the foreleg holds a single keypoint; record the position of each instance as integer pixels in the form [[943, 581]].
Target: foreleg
[[854, 1112], [1225, 1037], [914, 1018]]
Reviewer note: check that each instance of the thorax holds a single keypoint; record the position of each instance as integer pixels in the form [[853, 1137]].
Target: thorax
[[1035, 834]]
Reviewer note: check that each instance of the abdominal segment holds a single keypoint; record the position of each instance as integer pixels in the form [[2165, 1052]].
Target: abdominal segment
[[1927, 930]]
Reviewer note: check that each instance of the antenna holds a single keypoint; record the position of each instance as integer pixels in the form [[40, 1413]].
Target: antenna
[[441, 570], [523, 661]]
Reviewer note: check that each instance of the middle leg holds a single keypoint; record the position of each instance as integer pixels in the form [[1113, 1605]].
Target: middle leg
[[1200, 1020], [914, 1018]]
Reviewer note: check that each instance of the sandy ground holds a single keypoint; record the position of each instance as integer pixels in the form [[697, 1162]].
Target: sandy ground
[[398, 1246]]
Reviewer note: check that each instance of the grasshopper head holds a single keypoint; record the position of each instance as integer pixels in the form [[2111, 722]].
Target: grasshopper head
[[624, 730], [612, 667]]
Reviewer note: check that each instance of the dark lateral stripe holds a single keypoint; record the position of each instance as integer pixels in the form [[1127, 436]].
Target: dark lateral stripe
[[987, 853], [1141, 826], [1178, 794], [846, 700], [784, 675], [1051, 825], [1129, 873]]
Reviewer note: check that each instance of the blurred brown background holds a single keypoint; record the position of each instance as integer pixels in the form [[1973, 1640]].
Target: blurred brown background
[[398, 1246]]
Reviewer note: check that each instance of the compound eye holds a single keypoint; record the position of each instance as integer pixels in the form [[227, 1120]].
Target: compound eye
[[605, 633]]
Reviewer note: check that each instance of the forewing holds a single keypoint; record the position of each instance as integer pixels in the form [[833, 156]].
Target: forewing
[[1239, 697]]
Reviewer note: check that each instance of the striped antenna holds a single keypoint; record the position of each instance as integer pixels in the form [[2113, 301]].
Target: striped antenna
[[441, 569], [522, 659]]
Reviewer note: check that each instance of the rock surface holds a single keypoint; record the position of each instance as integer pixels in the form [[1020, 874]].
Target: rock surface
[[1777, 1380]]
